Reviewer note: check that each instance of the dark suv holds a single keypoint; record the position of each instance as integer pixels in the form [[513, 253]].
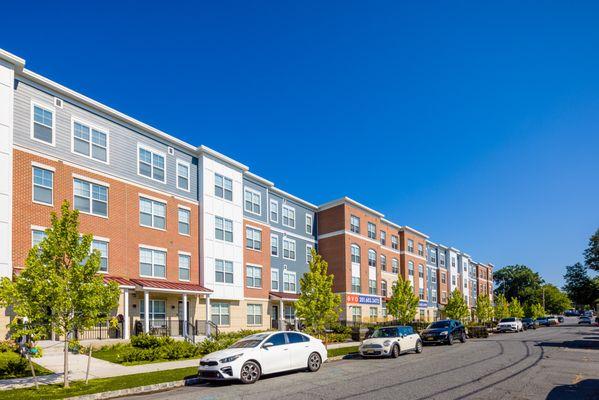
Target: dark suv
[[529, 323], [445, 331]]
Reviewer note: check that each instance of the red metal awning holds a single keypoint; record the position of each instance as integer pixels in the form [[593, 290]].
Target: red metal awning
[[122, 282], [171, 287], [284, 296]]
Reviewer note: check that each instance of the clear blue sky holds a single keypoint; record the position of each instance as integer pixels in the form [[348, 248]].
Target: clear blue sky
[[478, 124]]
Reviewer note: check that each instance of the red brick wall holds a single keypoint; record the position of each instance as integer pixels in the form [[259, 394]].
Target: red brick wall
[[261, 258]]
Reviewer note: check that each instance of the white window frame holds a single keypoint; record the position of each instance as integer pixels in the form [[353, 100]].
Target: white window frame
[[274, 238], [309, 248], [224, 229], [253, 230], [351, 224], [91, 127], [185, 210], [225, 273], [394, 242], [289, 209], [224, 187], [91, 200], [152, 151], [33, 184], [253, 315], [152, 214], [253, 278], [107, 242], [290, 241], [273, 272], [188, 177], [395, 266], [286, 275], [371, 233], [358, 256], [309, 225], [274, 203], [188, 256], [253, 193], [410, 246], [45, 107], [153, 264], [221, 307], [41, 230]]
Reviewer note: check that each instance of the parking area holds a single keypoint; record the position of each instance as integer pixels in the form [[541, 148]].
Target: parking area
[[556, 363]]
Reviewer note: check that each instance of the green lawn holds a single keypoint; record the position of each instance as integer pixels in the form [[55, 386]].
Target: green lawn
[[342, 351], [79, 388], [13, 366], [113, 354]]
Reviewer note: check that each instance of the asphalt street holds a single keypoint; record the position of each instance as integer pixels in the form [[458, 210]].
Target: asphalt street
[[549, 363]]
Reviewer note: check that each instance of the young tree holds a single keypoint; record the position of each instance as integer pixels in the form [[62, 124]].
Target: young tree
[[456, 307], [501, 307], [556, 301], [60, 286], [484, 309], [403, 303], [515, 309], [591, 254], [317, 305], [579, 286], [535, 311]]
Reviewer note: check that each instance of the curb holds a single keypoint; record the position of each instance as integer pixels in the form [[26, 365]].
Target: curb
[[137, 390]]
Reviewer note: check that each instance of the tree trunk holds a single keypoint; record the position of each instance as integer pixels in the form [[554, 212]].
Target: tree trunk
[[66, 360]]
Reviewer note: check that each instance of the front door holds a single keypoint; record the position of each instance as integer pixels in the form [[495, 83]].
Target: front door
[[275, 317]]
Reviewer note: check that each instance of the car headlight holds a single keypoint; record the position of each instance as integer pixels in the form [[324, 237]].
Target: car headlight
[[444, 333], [229, 359], [386, 343]]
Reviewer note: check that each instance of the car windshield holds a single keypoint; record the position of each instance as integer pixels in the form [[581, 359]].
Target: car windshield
[[439, 324], [508, 320], [385, 332], [527, 320], [249, 341], [541, 318]]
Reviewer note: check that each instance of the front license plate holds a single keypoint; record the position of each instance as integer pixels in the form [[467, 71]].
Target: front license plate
[[429, 338]]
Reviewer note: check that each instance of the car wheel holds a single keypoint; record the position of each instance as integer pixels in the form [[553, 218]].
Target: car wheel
[[463, 338], [250, 372], [450, 339], [395, 351], [418, 346], [314, 362]]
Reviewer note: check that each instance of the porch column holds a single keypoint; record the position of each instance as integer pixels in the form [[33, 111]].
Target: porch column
[[184, 314], [146, 311], [207, 315], [126, 314], [281, 315], [295, 318]]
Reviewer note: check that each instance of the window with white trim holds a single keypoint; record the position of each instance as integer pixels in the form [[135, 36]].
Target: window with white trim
[[308, 224], [433, 276], [420, 271], [355, 253], [220, 314], [274, 279], [371, 258], [184, 267], [410, 246], [253, 276], [223, 187], [223, 271], [43, 124], [373, 314], [443, 277], [421, 293], [309, 248], [43, 186], [395, 266], [274, 210], [184, 221], [434, 295], [91, 198], [183, 175], [288, 216], [354, 224], [453, 280], [254, 315], [383, 238], [384, 288], [223, 229], [289, 249], [372, 286], [274, 245], [289, 281], [102, 247], [253, 238], [90, 142], [152, 263], [394, 242], [152, 213], [371, 230], [411, 268], [383, 262], [356, 313], [37, 236], [253, 201], [420, 250], [151, 164]]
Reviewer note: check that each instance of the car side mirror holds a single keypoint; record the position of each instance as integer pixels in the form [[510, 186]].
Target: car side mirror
[[267, 345]]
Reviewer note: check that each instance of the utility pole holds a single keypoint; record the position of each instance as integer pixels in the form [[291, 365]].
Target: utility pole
[[543, 297]]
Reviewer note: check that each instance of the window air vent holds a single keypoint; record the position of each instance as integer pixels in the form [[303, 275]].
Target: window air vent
[[58, 102], [171, 151]]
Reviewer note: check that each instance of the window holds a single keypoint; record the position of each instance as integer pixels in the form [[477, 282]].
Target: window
[[223, 229], [354, 224], [356, 313], [453, 280], [443, 278], [183, 175], [220, 313], [432, 255], [434, 295], [90, 142], [356, 286], [43, 124], [274, 279], [102, 247], [289, 282], [278, 339], [371, 286], [253, 201], [308, 224], [152, 263], [411, 268], [288, 249], [383, 262], [37, 236], [91, 198], [355, 253], [371, 230], [151, 164], [184, 267], [289, 313], [295, 337], [421, 315], [384, 288], [152, 213], [371, 258], [384, 309], [288, 216], [420, 271], [43, 185], [184, 217], [274, 245], [453, 261], [373, 313], [420, 249], [383, 238], [434, 277], [421, 293], [274, 211], [254, 314], [441, 259], [223, 271], [253, 276], [394, 242], [223, 187], [395, 266], [308, 253], [443, 297], [410, 246], [253, 238], [157, 311]]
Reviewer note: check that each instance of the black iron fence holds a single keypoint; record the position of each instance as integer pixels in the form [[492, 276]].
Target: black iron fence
[[102, 331], [207, 328]]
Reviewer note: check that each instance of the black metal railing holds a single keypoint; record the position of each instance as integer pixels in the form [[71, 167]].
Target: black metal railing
[[201, 327], [102, 331]]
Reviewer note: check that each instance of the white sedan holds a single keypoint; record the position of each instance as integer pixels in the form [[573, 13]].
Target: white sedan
[[263, 353], [391, 341]]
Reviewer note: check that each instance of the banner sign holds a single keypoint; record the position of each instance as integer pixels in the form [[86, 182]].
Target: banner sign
[[422, 304], [363, 299]]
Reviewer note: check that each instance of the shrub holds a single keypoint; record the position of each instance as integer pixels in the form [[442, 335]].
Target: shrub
[[14, 367], [477, 332], [146, 341], [134, 354], [7, 346], [180, 350]]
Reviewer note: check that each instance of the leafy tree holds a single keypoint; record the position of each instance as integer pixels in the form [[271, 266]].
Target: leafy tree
[[517, 281], [456, 307], [581, 289], [60, 285], [535, 310], [484, 308], [403, 303], [501, 307], [515, 309], [556, 301], [591, 253], [317, 305]]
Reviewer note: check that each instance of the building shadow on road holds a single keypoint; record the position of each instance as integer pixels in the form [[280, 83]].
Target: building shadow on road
[[590, 341], [583, 390]]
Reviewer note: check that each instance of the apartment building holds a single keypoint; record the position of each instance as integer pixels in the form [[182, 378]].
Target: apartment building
[[433, 272], [413, 267]]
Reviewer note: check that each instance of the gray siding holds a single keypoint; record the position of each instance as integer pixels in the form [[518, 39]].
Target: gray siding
[[263, 217], [122, 141]]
